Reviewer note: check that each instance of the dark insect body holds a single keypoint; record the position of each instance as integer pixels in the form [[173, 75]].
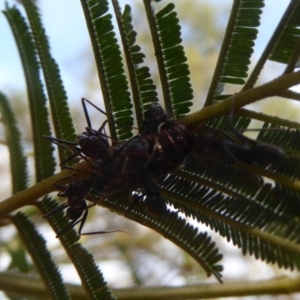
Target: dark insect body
[[148, 156], [137, 163], [153, 200], [134, 166], [76, 205], [153, 118], [77, 208], [91, 144], [163, 146], [222, 148]]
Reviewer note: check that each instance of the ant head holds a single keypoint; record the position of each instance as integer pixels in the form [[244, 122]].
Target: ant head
[[155, 204], [153, 117]]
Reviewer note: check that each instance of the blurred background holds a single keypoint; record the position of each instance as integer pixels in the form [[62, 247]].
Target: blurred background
[[143, 257]]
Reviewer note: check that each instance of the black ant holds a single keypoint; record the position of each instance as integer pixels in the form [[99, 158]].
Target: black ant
[[77, 208], [143, 158], [91, 143], [152, 198], [221, 147], [76, 205], [162, 145]]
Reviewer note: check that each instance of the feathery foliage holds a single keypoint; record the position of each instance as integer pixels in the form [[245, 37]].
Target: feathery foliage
[[289, 37], [142, 86], [174, 72], [177, 230], [237, 47], [44, 163], [111, 72], [92, 279], [36, 247], [95, 288], [18, 164], [255, 207], [62, 122]]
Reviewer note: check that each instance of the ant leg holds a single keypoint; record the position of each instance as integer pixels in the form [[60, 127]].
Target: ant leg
[[151, 156], [87, 117], [53, 211], [70, 158], [82, 221], [134, 200], [60, 142], [88, 101], [103, 112], [104, 232], [72, 147], [68, 227], [102, 126], [96, 132]]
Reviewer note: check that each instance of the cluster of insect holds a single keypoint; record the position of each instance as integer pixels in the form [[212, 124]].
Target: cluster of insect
[[136, 165]]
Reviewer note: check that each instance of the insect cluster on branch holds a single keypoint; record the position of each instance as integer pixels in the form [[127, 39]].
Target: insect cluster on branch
[[134, 166]]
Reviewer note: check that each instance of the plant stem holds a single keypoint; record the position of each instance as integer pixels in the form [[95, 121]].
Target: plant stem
[[32, 286], [269, 89], [28, 196], [243, 112]]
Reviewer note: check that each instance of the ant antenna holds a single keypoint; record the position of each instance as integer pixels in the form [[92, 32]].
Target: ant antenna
[[83, 100]]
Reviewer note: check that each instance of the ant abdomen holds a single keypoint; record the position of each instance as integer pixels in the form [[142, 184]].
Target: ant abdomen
[[267, 154]]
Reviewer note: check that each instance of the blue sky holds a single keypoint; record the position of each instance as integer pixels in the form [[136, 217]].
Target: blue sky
[[68, 38]]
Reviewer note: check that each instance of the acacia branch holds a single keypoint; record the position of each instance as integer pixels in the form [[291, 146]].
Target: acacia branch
[[241, 99], [31, 285], [42, 188]]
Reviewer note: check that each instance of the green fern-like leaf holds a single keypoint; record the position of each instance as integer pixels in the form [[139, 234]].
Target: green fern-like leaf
[[177, 70], [177, 230], [62, 122], [274, 43], [108, 57], [289, 37], [171, 59], [18, 165], [260, 218], [44, 161], [252, 215], [98, 287], [36, 246], [237, 47], [142, 86], [96, 284], [91, 277]]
